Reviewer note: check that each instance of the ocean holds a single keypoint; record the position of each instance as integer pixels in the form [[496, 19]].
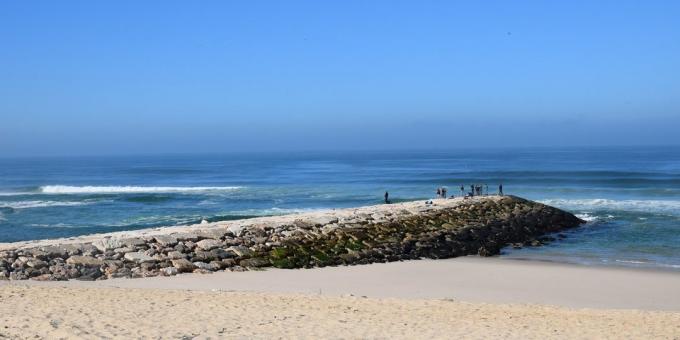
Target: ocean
[[630, 196]]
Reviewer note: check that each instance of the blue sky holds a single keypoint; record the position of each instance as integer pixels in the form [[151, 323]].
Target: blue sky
[[121, 77]]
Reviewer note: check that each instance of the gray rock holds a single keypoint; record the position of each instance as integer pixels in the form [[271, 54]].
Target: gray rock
[[138, 257], [174, 255], [202, 265], [214, 233], [166, 240], [108, 244], [133, 242], [208, 244], [37, 253], [84, 261], [37, 264], [183, 265], [254, 262], [123, 250], [186, 237], [169, 271], [240, 251]]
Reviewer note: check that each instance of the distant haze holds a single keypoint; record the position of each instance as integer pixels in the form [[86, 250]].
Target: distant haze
[[213, 76]]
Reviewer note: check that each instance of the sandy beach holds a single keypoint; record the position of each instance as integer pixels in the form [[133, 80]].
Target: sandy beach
[[465, 297]]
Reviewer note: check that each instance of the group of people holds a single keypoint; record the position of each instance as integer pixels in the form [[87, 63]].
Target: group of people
[[479, 190], [475, 190]]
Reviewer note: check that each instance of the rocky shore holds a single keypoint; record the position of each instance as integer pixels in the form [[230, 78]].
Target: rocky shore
[[412, 230]]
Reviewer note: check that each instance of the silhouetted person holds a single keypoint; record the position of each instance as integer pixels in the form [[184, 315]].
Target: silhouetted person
[[439, 192], [500, 189], [472, 190], [443, 192], [387, 196], [462, 190]]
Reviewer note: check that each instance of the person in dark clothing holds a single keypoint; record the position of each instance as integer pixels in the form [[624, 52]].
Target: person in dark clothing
[[444, 192], [462, 190], [500, 189], [387, 196], [439, 192], [472, 190]]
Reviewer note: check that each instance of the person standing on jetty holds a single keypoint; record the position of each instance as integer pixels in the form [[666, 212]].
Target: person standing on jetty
[[472, 190], [500, 189], [486, 189], [387, 196], [462, 190], [439, 192], [443, 192]]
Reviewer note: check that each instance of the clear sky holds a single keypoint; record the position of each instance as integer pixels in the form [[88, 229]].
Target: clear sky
[[123, 77]]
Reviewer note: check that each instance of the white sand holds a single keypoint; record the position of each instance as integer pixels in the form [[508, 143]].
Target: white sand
[[472, 279], [464, 297]]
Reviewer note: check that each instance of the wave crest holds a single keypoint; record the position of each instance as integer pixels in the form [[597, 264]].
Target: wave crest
[[40, 204], [650, 206], [67, 189]]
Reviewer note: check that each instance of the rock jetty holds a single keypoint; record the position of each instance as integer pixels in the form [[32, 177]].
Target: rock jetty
[[405, 231]]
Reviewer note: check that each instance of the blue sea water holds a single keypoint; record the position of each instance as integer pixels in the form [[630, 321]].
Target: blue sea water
[[629, 196]]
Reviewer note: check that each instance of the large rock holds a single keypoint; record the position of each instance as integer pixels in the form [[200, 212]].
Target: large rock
[[138, 257], [108, 244], [254, 262], [84, 261], [240, 250], [37, 264], [208, 244], [166, 240], [183, 265], [133, 242]]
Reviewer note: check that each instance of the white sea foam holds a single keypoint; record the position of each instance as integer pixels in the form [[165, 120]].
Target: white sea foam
[[41, 204], [652, 206], [67, 189], [16, 193], [272, 211], [587, 217]]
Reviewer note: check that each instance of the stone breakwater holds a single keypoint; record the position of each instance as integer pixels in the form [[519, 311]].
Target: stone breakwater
[[447, 228]]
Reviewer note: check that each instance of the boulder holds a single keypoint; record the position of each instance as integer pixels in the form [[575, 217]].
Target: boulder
[[84, 261], [133, 242], [138, 257], [62, 251], [202, 265], [174, 255], [169, 271], [108, 244], [166, 240], [240, 250], [183, 265], [208, 244], [254, 262], [37, 264]]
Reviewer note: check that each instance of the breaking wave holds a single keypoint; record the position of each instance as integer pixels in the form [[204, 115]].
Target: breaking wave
[[649, 206], [67, 189], [41, 204]]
